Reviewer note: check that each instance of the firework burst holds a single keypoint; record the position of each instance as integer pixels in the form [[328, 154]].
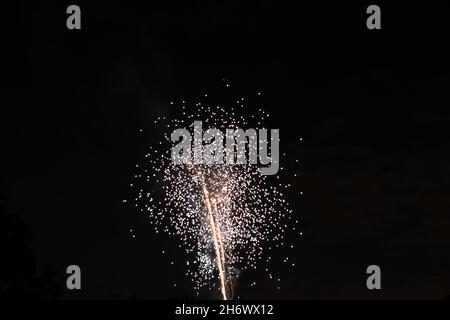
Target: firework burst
[[224, 214]]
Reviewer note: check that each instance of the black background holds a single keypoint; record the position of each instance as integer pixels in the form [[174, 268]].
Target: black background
[[371, 106]]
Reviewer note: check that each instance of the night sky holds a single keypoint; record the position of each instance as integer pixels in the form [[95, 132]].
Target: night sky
[[372, 107]]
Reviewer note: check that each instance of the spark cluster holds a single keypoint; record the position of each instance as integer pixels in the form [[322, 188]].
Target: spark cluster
[[225, 215]]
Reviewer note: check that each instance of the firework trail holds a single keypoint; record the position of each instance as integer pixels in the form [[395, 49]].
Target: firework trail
[[224, 214], [214, 224]]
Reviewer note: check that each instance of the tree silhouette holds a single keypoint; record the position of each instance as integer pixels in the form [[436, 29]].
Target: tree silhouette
[[18, 275]]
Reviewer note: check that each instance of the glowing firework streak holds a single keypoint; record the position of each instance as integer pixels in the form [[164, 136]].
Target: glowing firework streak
[[216, 236], [220, 242]]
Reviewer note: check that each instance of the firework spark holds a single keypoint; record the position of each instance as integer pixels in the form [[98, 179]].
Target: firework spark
[[224, 214]]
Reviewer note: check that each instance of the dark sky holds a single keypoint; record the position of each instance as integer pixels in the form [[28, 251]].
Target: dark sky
[[371, 106]]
